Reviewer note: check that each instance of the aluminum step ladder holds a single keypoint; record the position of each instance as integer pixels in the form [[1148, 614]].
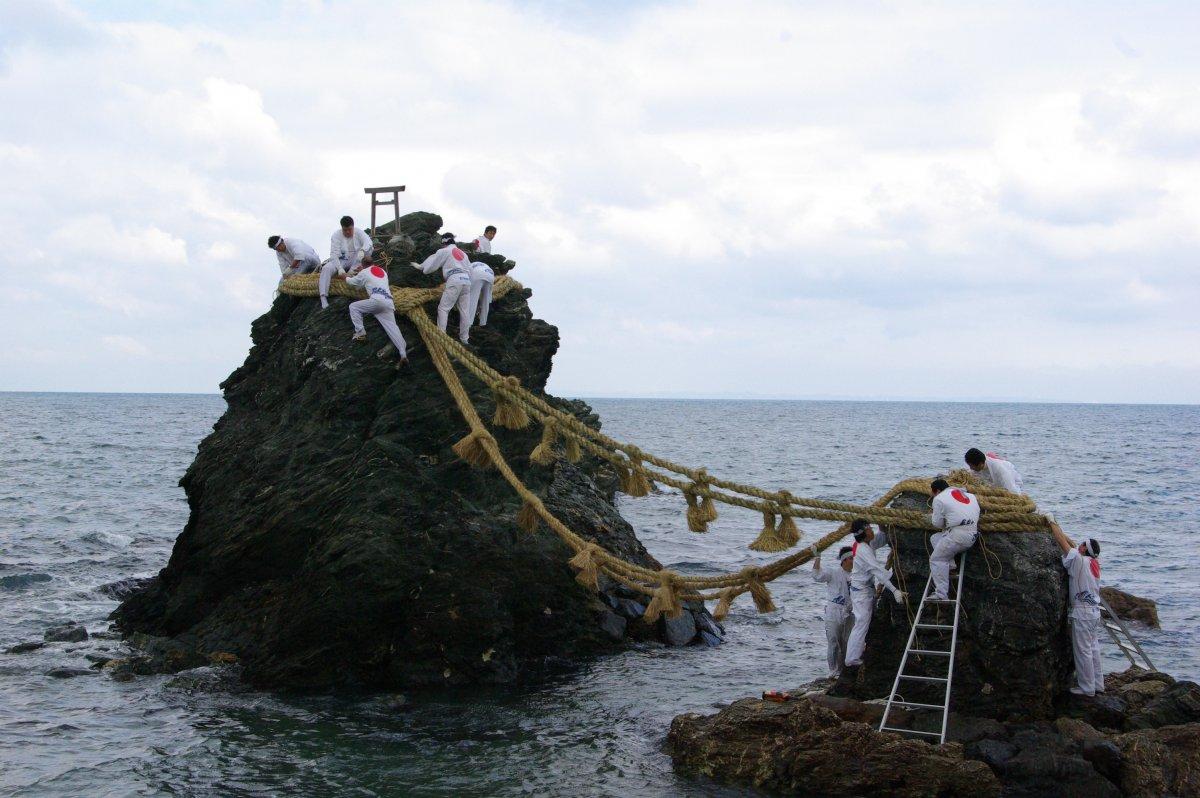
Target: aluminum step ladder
[[920, 623], [1124, 640]]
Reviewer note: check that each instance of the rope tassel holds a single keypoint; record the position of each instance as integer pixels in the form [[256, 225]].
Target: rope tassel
[[571, 448], [723, 604], [768, 539], [695, 517], [787, 531], [528, 518], [543, 453], [708, 508], [587, 562], [665, 601], [508, 414], [758, 591], [635, 482], [472, 449]]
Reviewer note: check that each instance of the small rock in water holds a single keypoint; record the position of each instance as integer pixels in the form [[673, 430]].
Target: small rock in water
[[68, 673], [21, 648], [679, 631], [124, 588], [613, 624], [19, 581], [67, 633]]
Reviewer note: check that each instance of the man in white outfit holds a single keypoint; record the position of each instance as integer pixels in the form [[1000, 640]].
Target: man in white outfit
[[456, 269], [837, 607], [374, 280], [482, 278], [867, 576], [994, 470], [1083, 574], [956, 513], [348, 246], [295, 257], [484, 242]]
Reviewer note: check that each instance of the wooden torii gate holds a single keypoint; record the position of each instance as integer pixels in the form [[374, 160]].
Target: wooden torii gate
[[376, 202]]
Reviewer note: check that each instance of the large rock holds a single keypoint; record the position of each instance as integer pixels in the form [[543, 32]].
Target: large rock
[[1014, 650], [335, 540], [799, 748], [1163, 761], [1131, 607]]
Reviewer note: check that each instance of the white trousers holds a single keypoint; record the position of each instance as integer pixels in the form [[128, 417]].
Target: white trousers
[[946, 545], [383, 310], [327, 271], [481, 299], [863, 603], [837, 631], [457, 293], [1085, 645]]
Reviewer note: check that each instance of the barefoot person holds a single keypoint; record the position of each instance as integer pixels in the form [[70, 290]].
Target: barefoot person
[[456, 270], [837, 606], [994, 470], [956, 513], [1083, 574], [374, 280], [867, 576], [294, 256], [348, 246]]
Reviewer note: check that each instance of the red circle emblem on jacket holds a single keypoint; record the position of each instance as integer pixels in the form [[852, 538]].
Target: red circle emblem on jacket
[[378, 272], [959, 496], [457, 253]]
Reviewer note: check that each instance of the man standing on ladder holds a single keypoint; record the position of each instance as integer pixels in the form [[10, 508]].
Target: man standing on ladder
[[1083, 573], [956, 513], [867, 576]]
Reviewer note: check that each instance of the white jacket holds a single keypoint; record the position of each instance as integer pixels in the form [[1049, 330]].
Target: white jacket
[[955, 508], [295, 249], [837, 587], [1001, 473], [1084, 576], [483, 244], [452, 261], [867, 569], [481, 273], [346, 252], [374, 281]]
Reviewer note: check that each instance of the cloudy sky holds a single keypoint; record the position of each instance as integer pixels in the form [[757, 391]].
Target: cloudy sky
[[875, 200]]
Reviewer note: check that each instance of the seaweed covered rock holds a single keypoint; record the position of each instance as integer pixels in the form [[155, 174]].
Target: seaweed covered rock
[[336, 541]]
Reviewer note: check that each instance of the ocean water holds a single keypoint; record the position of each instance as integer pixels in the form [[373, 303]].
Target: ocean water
[[89, 494]]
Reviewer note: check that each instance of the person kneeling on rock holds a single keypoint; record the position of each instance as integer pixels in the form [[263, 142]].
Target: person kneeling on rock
[[1083, 573], [374, 280], [956, 513], [867, 576], [837, 606]]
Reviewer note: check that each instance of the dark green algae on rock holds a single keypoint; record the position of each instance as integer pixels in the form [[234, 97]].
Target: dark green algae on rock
[[336, 542]]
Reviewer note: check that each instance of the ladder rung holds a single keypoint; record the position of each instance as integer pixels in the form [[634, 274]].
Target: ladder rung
[[935, 626], [939, 601], [1127, 648], [922, 678], [911, 731], [928, 651], [913, 704]]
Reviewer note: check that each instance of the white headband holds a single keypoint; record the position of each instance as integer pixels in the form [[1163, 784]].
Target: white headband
[[1091, 550], [845, 556]]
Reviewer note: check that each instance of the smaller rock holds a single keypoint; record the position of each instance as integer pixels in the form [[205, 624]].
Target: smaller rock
[[968, 729], [22, 648], [20, 581], [993, 753], [98, 660], [1105, 756], [67, 633], [1079, 731], [613, 625], [709, 639], [629, 608], [709, 624], [69, 673], [1131, 607], [679, 631], [1177, 704], [1102, 711], [124, 588]]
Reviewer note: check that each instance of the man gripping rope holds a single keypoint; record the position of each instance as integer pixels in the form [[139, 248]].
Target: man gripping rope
[[994, 470], [456, 269], [1083, 574], [294, 256], [956, 513], [866, 576], [348, 247], [379, 303], [837, 606]]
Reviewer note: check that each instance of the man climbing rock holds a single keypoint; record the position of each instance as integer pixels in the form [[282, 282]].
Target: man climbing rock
[[374, 280], [456, 270], [867, 576], [956, 513], [994, 470], [348, 246], [837, 607], [295, 257], [1083, 575], [482, 278], [484, 242]]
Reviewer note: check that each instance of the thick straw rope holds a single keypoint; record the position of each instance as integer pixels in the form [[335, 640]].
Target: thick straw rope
[[516, 406]]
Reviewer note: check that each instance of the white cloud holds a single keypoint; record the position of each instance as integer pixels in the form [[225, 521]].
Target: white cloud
[[760, 198]]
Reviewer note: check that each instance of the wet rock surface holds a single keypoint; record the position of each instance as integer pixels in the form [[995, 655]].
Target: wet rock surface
[[70, 632], [1131, 607], [336, 542]]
